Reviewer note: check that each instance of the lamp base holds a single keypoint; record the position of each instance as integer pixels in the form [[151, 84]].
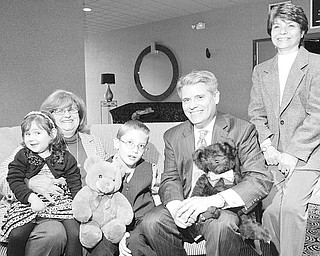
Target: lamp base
[[108, 95]]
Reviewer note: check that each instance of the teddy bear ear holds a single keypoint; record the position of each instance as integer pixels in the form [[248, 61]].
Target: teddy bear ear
[[90, 161], [230, 142], [198, 158], [196, 153]]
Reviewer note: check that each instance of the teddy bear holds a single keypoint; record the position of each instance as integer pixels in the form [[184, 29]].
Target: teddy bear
[[99, 206], [221, 171]]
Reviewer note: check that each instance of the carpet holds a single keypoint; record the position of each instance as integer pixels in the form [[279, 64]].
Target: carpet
[[312, 241]]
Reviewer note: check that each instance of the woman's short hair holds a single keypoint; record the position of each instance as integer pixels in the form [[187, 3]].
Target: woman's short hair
[[288, 11], [65, 99], [202, 76]]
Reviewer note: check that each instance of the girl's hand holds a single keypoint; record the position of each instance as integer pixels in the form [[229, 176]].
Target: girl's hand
[[36, 203], [45, 185], [123, 249]]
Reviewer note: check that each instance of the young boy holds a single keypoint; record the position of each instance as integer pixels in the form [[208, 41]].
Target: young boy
[[130, 143]]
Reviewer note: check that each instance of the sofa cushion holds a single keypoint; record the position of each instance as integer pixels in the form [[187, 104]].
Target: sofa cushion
[[10, 138]]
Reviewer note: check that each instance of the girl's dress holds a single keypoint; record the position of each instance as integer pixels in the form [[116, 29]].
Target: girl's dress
[[20, 211]]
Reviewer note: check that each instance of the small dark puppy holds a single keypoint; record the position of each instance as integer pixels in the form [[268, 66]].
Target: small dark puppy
[[216, 159]]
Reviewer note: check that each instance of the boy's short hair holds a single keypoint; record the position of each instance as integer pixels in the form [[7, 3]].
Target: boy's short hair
[[132, 125]]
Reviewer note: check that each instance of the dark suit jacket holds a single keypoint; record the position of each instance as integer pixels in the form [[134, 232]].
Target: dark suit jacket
[[178, 165], [293, 126]]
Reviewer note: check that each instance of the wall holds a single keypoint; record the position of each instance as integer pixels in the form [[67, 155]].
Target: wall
[[42, 49], [229, 33]]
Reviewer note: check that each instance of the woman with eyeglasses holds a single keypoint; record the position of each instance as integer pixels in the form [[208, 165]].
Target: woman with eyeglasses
[[69, 112]]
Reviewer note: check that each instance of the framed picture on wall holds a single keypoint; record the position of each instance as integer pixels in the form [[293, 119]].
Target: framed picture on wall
[[275, 4], [263, 49], [314, 14]]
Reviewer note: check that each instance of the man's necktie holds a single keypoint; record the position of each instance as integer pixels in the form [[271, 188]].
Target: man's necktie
[[202, 141]]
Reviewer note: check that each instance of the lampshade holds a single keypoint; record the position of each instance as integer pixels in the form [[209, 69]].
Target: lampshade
[[108, 78]]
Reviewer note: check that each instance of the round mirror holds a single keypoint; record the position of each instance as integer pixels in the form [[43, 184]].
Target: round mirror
[[156, 74]]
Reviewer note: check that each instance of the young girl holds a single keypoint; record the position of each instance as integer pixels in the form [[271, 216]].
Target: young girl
[[130, 143], [43, 153]]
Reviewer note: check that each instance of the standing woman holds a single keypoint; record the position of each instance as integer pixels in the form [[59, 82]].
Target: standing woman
[[285, 108]]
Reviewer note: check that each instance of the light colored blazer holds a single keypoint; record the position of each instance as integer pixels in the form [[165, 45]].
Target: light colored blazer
[[92, 146], [178, 165], [293, 126]]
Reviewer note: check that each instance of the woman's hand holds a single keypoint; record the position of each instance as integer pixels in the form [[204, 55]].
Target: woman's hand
[[272, 155], [36, 203], [287, 164], [123, 249], [44, 185]]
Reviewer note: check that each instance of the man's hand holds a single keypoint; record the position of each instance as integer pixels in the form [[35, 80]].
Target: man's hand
[[287, 164], [44, 185], [272, 155], [36, 203], [190, 208], [173, 207], [123, 249]]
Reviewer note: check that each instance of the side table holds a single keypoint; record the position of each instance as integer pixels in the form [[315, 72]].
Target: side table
[[109, 105]]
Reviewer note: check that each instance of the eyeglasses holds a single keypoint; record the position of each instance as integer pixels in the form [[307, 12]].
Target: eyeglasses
[[131, 145], [62, 111]]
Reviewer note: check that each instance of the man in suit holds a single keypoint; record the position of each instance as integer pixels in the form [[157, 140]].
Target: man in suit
[[166, 226]]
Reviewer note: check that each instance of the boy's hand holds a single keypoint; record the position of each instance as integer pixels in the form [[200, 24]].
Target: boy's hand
[[123, 249], [36, 203]]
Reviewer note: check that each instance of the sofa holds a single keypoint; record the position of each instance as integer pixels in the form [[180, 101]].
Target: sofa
[[10, 137]]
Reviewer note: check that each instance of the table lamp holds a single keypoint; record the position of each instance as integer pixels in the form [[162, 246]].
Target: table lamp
[[108, 79]]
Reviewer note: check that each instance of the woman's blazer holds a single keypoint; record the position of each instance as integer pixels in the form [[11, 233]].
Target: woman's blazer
[[294, 125]]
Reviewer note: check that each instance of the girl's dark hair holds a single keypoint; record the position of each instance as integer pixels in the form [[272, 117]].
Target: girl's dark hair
[[288, 11], [44, 120]]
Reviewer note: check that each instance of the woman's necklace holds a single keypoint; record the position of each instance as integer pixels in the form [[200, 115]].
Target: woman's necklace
[[73, 146]]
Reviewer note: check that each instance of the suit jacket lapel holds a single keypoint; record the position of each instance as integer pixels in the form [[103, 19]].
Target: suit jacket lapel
[[271, 80], [294, 78], [188, 144], [219, 128]]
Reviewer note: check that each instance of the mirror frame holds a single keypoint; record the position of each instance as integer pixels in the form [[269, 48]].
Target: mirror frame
[[175, 72]]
